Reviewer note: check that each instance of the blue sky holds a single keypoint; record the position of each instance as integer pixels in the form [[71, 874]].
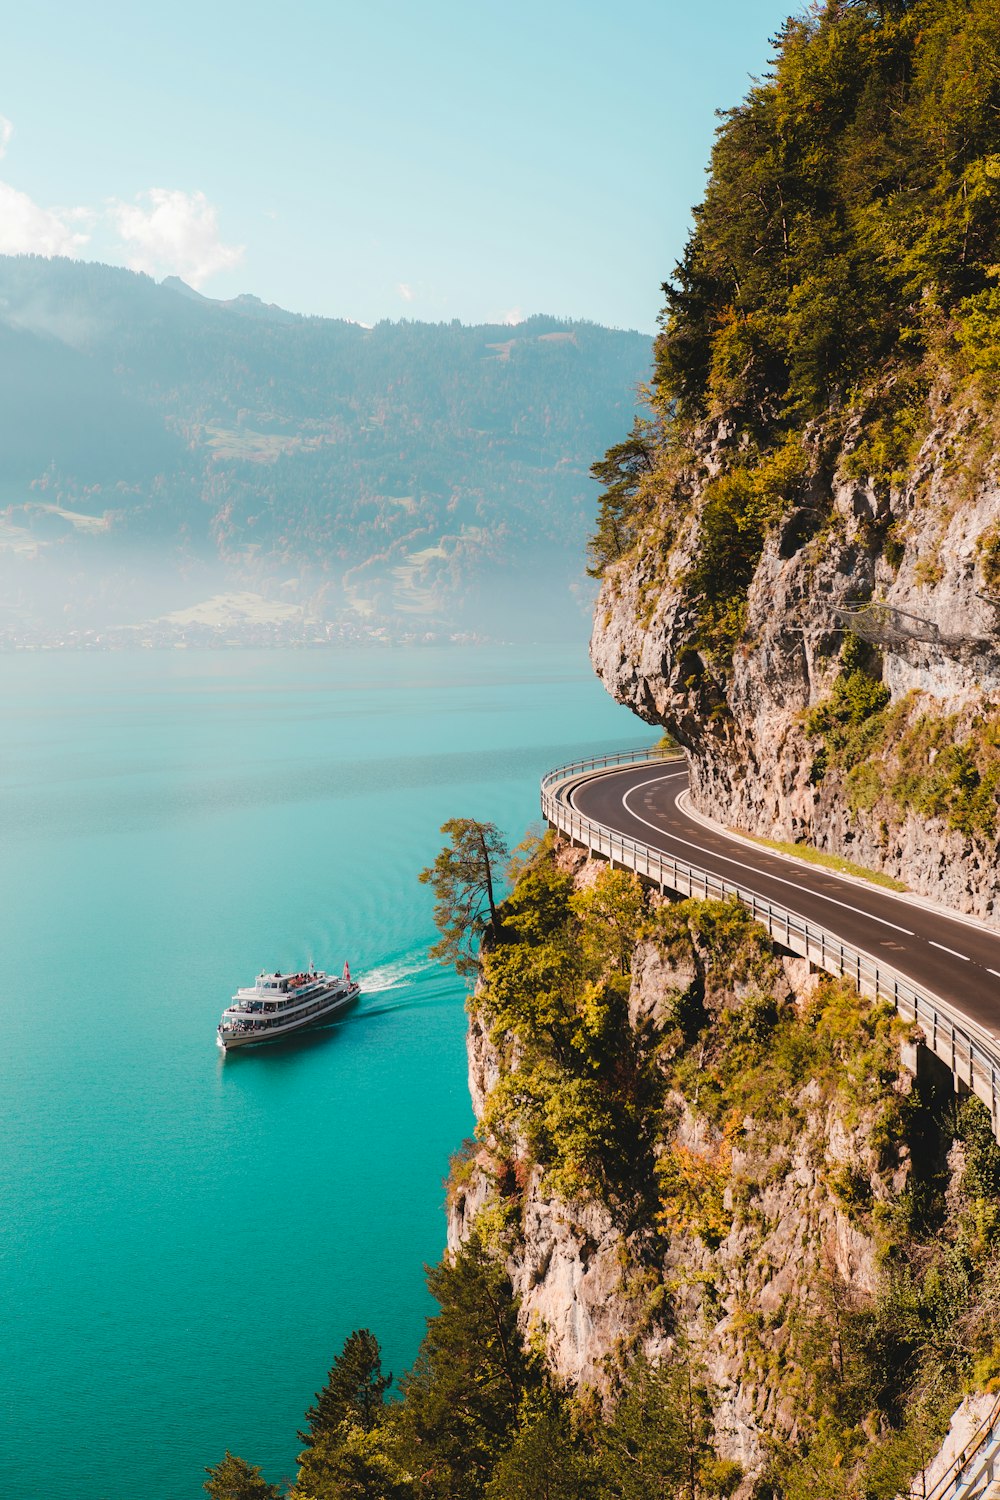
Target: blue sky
[[431, 161]]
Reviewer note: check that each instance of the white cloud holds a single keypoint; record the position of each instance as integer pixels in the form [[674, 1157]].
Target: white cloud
[[405, 291], [27, 228], [161, 231], [169, 232]]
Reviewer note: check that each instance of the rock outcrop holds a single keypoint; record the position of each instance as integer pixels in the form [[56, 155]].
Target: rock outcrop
[[921, 549], [776, 1228]]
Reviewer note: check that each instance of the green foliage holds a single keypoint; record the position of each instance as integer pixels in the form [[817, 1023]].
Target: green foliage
[[859, 174], [353, 1463], [979, 328], [847, 720], [988, 548], [462, 878], [610, 914], [657, 1443], [545, 1461], [463, 1396], [621, 471], [920, 762], [234, 1479], [981, 1178], [892, 419], [851, 723], [730, 946], [940, 775], [557, 984], [738, 509], [354, 1391]]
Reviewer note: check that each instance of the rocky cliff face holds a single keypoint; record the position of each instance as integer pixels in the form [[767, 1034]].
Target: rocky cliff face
[[768, 1221], [923, 549]]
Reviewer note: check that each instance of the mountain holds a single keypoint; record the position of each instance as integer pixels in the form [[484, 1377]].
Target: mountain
[[160, 447]]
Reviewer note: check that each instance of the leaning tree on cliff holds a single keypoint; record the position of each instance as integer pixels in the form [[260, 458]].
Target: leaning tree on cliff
[[463, 878]]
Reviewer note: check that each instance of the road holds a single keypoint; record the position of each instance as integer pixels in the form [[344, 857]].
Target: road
[[958, 960]]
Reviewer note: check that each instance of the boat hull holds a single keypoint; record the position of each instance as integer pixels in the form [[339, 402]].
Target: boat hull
[[262, 1038]]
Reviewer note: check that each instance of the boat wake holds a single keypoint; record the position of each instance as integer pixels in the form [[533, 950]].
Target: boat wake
[[397, 972]]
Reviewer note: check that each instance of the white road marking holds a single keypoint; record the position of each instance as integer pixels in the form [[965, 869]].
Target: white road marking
[[740, 865], [963, 956], [994, 972]]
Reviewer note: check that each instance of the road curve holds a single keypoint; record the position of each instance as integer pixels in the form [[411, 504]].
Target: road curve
[[956, 959]]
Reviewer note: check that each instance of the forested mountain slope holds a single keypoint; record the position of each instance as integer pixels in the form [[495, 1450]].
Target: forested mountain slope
[[799, 545], [418, 475]]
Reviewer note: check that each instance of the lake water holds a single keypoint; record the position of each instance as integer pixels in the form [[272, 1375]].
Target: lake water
[[186, 1240]]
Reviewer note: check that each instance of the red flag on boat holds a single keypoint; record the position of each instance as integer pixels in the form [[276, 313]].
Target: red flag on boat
[[347, 971]]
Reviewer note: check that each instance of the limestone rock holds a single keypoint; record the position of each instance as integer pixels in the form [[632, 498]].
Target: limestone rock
[[750, 758], [592, 1288]]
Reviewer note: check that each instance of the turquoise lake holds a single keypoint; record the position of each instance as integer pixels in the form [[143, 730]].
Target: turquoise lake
[[187, 1239]]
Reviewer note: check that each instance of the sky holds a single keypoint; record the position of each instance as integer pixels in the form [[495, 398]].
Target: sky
[[385, 159]]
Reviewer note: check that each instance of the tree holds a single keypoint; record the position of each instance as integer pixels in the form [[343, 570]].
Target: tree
[[621, 471], [463, 1395], [234, 1479], [657, 1441], [544, 1462], [611, 913], [461, 878], [352, 1464], [354, 1391]]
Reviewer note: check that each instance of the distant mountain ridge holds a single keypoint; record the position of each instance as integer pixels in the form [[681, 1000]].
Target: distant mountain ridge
[[157, 446], [246, 302]]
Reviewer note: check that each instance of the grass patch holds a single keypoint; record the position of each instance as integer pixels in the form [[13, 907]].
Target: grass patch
[[830, 861]]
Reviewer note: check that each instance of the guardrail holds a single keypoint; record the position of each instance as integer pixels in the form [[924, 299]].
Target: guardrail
[[971, 1053], [973, 1465], [972, 1056]]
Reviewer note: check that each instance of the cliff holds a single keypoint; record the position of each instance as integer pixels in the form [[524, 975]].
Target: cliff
[[751, 1188], [755, 741], [690, 1152], [799, 547]]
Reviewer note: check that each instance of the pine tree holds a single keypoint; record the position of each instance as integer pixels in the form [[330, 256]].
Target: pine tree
[[354, 1391], [235, 1479], [462, 878], [462, 1398], [544, 1462]]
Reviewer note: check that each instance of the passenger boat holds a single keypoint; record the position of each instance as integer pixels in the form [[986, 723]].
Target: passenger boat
[[277, 1004]]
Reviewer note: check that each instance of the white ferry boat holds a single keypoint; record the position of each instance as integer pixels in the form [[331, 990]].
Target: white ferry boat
[[281, 1003]]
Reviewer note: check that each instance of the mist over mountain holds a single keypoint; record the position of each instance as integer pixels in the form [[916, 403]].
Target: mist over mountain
[[159, 448]]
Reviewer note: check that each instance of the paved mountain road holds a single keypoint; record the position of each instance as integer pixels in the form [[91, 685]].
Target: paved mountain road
[[957, 959]]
